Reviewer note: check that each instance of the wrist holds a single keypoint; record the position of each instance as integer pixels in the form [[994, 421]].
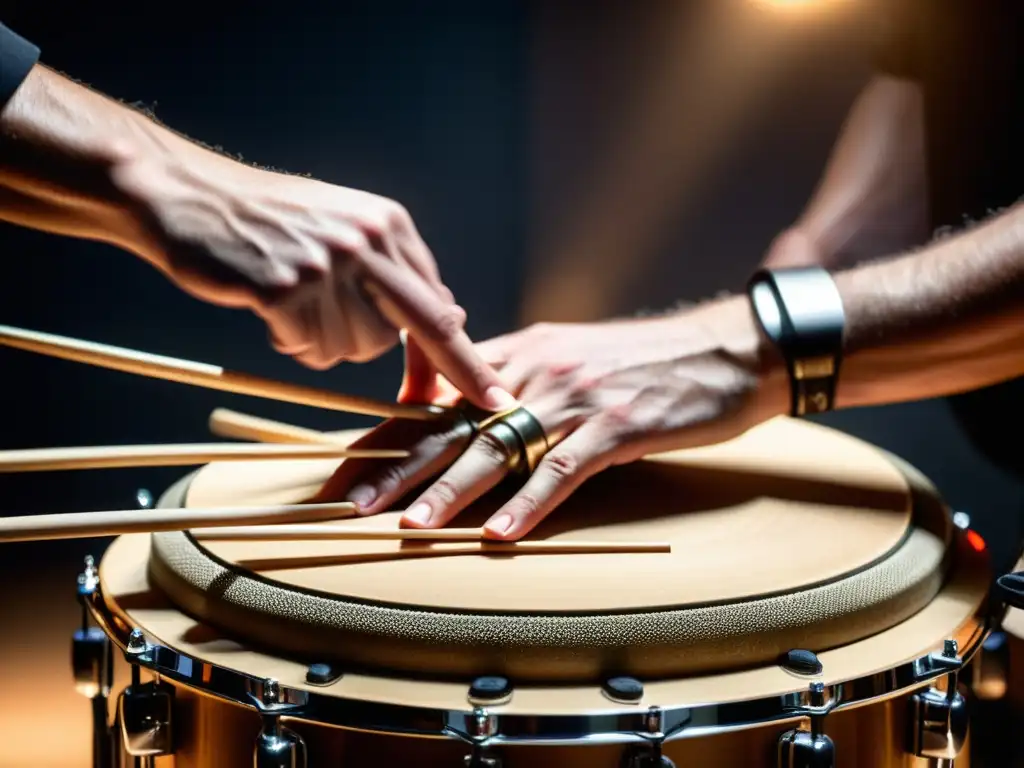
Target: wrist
[[741, 336], [729, 326]]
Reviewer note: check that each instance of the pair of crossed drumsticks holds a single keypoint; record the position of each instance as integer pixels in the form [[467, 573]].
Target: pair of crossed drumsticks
[[279, 441]]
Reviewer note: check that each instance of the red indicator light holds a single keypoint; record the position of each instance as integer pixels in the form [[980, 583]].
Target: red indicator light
[[975, 540]]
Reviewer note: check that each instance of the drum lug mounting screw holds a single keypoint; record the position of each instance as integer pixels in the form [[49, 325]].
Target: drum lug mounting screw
[[136, 643]]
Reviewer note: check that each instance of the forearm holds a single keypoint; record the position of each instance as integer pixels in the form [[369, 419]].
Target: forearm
[[59, 145], [943, 320], [872, 193]]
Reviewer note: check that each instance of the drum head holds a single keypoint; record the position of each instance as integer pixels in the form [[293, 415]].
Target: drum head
[[790, 536]]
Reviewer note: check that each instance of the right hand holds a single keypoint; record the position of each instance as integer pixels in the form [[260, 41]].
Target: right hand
[[334, 272]]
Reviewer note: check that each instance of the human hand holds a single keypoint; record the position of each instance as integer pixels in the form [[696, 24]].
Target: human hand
[[334, 272], [605, 393]]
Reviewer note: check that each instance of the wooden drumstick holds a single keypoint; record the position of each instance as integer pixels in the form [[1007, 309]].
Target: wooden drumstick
[[73, 525], [349, 533], [336, 532], [242, 426], [171, 455], [204, 375]]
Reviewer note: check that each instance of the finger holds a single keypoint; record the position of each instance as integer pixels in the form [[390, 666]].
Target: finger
[[479, 469], [418, 253], [420, 377], [497, 351], [582, 454], [419, 256], [374, 487], [437, 327]]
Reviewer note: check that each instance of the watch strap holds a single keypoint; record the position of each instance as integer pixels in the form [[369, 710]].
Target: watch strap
[[801, 311]]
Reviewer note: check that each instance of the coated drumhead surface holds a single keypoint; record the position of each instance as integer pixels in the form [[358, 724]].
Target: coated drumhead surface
[[793, 535]]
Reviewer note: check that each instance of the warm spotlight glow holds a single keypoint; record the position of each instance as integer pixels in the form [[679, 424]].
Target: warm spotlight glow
[[785, 5]]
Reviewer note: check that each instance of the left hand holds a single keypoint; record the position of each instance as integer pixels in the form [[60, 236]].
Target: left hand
[[605, 393]]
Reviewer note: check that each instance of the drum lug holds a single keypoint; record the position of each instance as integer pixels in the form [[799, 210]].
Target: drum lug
[[276, 746], [645, 757], [484, 728], [481, 758], [145, 710], [809, 749], [92, 665], [649, 755], [939, 719]]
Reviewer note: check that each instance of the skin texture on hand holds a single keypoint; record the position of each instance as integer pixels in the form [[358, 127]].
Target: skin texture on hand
[[605, 393], [334, 272]]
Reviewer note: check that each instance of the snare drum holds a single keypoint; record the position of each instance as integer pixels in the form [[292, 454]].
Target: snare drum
[[816, 608]]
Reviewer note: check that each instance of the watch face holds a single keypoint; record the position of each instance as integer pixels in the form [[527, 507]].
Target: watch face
[[763, 298]]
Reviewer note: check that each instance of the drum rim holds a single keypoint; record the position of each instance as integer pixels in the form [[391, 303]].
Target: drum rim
[[478, 725]]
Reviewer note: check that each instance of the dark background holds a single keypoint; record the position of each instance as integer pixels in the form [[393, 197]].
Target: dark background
[[563, 160]]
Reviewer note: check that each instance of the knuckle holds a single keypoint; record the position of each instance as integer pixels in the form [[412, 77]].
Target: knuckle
[[448, 324], [617, 420], [561, 465], [391, 478], [524, 505], [396, 215], [445, 492], [351, 239]]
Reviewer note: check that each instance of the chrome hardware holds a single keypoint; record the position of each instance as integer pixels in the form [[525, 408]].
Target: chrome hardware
[[136, 643], [483, 726], [812, 748], [481, 757], [269, 696], [144, 498], [649, 755], [89, 578], [146, 714], [644, 757], [145, 710], [625, 725], [278, 747], [90, 662], [962, 520], [988, 669], [92, 666], [939, 719]]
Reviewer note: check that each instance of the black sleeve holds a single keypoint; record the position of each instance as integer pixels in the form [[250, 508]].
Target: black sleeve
[[17, 57], [896, 51]]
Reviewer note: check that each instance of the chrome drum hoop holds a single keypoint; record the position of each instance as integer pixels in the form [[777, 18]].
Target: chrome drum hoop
[[485, 727]]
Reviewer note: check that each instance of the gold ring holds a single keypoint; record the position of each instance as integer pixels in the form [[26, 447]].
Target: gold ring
[[521, 435]]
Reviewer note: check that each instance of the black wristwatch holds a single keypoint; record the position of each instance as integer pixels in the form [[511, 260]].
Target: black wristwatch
[[801, 311]]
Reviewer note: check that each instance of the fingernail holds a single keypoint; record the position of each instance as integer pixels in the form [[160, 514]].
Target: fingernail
[[362, 496], [418, 513], [500, 524], [501, 400]]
